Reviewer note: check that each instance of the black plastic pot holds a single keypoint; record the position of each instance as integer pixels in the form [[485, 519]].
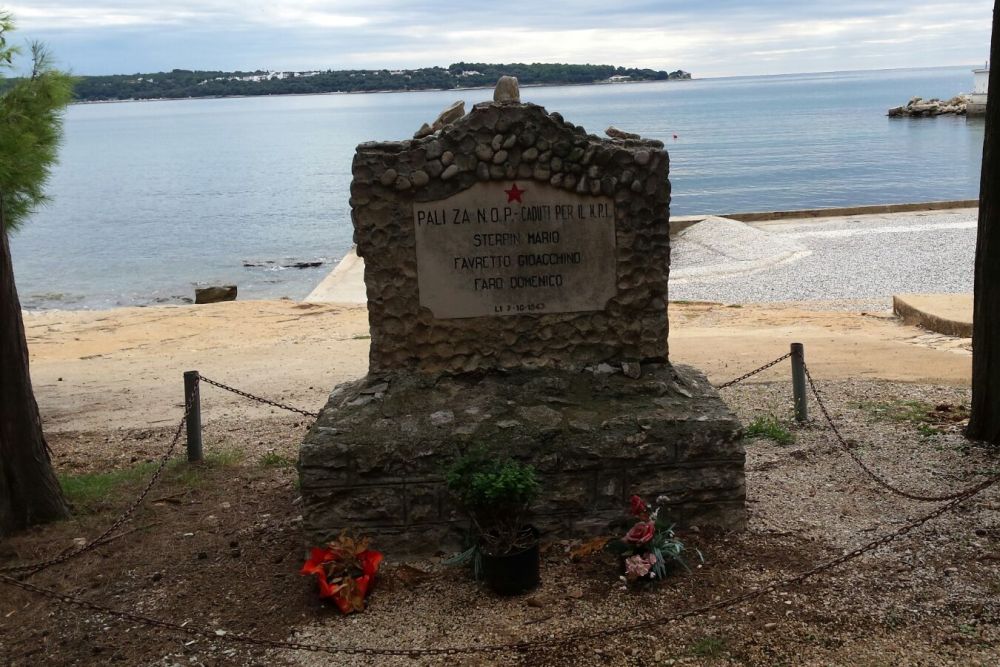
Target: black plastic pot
[[514, 573]]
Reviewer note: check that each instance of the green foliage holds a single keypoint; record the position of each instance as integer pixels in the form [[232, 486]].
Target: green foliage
[[769, 427], [709, 647], [483, 483], [86, 491], [276, 460], [925, 417], [30, 128], [496, 493], [914, 412], [927, 431], [186, 83]]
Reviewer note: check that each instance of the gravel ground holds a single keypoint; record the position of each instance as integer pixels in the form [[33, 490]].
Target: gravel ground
[[928, 251], [930, 597], [219, 547]]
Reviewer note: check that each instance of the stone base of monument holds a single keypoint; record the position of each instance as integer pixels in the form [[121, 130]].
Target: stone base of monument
[[374, 460]]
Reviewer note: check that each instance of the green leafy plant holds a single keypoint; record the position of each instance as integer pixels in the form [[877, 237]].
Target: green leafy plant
[[496, 493], [769, 427]]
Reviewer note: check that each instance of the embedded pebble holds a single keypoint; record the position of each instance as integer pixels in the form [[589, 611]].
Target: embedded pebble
[[388, 177], [420, 178]]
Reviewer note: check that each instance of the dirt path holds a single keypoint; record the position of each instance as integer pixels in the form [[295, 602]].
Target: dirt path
[[114, 369]]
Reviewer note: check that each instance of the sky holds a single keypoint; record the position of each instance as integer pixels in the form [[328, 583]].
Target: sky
[[704, 37]]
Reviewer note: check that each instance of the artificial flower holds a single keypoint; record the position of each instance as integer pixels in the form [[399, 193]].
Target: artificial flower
[[638, 506], [641, 533], [639, 566], [344, 576]]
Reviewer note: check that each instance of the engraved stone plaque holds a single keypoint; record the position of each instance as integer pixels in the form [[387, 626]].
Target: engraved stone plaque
[[515, 248]]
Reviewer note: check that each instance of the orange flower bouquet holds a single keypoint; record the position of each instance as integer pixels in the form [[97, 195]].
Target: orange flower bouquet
[[345, 571]]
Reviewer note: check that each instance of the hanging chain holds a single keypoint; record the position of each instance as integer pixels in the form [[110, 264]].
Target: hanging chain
[[754, 371], [259, 399], [953, 501], [571, 637], [881, 481], [30, 569], [34, 568]]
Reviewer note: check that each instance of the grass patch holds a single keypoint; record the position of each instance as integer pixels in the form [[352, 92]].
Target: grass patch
[[927, 430], [86, 491], [914, 412], [276, 460], [925, 417], [769, 427], [361, 337], [709, 647]]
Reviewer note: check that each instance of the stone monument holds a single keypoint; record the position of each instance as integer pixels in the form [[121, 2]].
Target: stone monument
[[516, 271]]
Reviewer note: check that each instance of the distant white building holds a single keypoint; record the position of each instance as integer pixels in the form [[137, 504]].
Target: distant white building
[[980, 88], [619, 78]]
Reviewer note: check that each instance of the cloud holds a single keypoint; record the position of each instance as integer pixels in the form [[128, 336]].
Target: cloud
[[708, 38]]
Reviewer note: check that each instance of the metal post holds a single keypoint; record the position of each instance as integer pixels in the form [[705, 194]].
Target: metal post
[[799, 382], [192, 399]]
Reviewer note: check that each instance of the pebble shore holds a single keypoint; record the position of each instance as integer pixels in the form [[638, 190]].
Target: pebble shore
[[859, 258]]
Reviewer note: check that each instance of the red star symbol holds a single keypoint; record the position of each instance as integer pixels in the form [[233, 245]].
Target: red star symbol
[[514, 194]]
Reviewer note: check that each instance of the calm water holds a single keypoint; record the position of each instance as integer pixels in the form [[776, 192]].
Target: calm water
[[153, 198]]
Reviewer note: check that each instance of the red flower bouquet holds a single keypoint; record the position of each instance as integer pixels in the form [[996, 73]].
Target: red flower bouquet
[[345, 571], [649, 548]]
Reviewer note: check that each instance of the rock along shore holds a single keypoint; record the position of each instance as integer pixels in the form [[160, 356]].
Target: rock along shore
[[919, 107]]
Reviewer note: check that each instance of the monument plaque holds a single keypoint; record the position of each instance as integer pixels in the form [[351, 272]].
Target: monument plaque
[[516, 271], [514, 249]]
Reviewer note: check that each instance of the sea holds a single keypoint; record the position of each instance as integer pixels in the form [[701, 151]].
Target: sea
[[151, 199]]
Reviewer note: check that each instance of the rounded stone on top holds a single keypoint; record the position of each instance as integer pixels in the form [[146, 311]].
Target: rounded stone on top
[[615, 133], [388, 177], [420, 178], [507, 90]]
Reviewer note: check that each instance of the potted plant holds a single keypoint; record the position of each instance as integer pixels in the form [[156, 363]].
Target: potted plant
[[496, 494], [649, 549]]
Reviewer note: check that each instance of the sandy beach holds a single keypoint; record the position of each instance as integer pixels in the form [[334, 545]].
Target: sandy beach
[[123, 368]]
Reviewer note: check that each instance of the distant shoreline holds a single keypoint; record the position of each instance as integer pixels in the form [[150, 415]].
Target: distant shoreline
[[375, 92]]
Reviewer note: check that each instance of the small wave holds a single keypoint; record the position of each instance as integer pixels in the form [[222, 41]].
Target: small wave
[[287, 263], [50, 301]]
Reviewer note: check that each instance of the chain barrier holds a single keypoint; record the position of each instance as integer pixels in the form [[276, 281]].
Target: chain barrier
[[571, 637], [754, 371], [951, 501], [881, 481], [259, 399], [30, 569]]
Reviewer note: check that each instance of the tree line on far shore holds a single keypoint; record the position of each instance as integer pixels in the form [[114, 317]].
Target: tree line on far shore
[[181, 83]]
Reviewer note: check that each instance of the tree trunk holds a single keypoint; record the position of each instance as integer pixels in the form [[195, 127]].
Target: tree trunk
[[984, 423], [29, 491]]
